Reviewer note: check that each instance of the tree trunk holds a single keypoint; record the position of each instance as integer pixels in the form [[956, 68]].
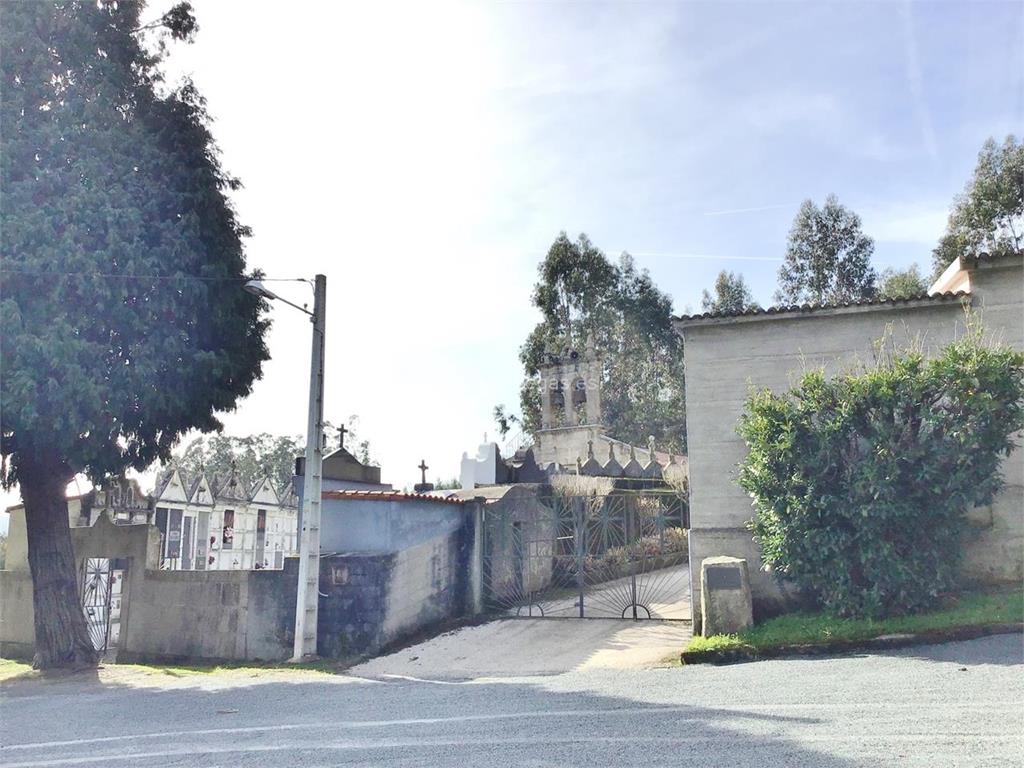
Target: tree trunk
[[62, 639]]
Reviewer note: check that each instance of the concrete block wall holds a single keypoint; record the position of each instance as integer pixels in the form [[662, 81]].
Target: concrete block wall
[[726, 358]]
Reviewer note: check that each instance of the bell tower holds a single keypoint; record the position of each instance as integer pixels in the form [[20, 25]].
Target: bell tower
[[571, 389]]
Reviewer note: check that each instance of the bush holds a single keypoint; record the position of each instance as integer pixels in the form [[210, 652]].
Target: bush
[[860, 482]]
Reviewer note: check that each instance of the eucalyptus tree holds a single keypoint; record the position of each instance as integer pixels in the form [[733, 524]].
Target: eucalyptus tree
[[581, 294], [122, 316], [731, 295], [989, 215], [901, 283], [828, 257]]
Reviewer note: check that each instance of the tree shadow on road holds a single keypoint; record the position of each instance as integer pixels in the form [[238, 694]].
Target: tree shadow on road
[[400, 722]]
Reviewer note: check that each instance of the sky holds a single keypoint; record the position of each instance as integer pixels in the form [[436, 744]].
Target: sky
[[424, 156]]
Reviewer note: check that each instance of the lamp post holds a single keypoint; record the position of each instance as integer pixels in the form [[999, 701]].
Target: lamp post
[[307, 597]]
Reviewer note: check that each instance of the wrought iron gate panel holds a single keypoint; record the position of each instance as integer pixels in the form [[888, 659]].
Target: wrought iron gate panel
[[617, 555], [101, 591]]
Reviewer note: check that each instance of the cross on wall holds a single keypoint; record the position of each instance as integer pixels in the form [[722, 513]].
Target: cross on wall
[[423, 470]]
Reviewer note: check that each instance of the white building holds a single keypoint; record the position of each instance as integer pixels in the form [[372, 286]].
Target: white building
[[217, 523]]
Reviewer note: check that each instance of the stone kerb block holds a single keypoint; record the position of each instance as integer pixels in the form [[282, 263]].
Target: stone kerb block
[[725, 602]]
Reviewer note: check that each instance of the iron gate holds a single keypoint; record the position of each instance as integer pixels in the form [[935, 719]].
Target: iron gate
[[619, 555], [101, 590]]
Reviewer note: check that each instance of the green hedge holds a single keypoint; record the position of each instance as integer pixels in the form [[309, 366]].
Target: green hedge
[[860, 482]]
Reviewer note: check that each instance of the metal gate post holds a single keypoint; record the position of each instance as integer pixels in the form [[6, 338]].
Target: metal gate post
[[634, 597], [578, 526]]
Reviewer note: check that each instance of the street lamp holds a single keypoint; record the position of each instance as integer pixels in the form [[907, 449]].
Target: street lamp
[[307, 597]]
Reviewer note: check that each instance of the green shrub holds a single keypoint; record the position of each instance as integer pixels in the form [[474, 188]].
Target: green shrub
[[860, 482]]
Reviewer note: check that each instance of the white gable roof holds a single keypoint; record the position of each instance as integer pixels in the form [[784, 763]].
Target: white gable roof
[[264, 493], [175, 489], [202, 493]]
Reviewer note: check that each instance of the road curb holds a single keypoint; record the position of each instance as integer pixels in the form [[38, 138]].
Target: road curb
[[883, 642]]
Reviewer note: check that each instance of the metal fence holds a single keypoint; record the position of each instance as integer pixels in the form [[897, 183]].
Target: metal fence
[[621, 555]]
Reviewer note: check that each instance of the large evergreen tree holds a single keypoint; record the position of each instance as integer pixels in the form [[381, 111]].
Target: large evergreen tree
[[731, 295], [828, 257], [901, 284], [581, 293], [989, 215], [122, 316]]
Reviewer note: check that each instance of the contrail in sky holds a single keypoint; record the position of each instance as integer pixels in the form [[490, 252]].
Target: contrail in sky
[[749, 210], [712, 256]]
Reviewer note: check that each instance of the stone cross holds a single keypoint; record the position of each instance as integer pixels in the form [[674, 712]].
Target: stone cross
[[341, 436], [423, 470]]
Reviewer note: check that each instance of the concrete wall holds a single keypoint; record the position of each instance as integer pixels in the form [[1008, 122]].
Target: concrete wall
[[17, 628], [402, 567], [370, 524], [222, 615], [406, 566], [16, 558], [725, 358], [520, 533], [212, 615]]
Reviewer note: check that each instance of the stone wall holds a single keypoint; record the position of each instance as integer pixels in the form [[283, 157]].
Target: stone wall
[[726, 357]]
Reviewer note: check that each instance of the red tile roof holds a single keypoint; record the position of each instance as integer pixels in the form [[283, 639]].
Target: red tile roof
[[389, 496]]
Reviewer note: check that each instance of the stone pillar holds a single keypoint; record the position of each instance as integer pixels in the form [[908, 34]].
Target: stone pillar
[[476, 558], [725, 601]]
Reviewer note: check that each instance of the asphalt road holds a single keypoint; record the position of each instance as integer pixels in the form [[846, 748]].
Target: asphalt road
[[951, 705]]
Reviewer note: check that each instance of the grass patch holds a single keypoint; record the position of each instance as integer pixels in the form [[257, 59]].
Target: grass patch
[[252, 668], [977, 609], [716, 643], [9, 668]]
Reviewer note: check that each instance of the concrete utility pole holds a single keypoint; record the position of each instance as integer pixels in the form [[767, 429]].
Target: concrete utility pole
[[307, 600]]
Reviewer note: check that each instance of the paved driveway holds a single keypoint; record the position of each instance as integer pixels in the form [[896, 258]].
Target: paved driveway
[[526, 647], [661, 594], [954, 705]]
